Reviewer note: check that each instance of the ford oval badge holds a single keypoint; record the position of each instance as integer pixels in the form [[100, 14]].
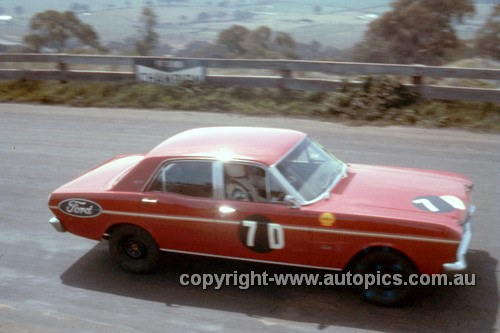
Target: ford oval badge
[[80, 207]]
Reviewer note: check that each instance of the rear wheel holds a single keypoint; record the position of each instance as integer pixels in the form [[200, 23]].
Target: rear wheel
[[379, 263], [134, 249]]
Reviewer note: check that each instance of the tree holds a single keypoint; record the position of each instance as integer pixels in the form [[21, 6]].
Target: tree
[[257, 42], [201, 49], [414, 31], [231, 39], [285, 44], [53, 29], [148, 36], [487, 40], [240, 42]]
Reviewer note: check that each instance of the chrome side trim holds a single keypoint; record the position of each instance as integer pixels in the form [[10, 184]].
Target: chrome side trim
[[170, 217], [54, 221], [289, 227], [374, 234], [247, 259]]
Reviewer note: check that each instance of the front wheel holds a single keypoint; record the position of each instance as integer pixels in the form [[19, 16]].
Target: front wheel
[[134, 249], [398, 268]]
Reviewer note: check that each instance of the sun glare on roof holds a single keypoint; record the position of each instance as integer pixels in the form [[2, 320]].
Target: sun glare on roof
[[224, 155]]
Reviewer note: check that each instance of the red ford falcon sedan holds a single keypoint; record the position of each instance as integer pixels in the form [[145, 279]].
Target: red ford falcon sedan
[[274, 196]]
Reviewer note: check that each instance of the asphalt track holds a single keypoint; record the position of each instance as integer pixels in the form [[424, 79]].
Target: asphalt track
[[53, 282]]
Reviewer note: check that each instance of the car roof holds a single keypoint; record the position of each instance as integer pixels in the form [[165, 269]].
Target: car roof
[[257, 144]]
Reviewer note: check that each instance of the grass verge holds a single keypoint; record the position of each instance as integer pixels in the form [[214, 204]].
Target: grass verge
[[380, 101]]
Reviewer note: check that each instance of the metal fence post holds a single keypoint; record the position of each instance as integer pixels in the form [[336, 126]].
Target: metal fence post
[[418, 80], [63, 68], [284, 74]]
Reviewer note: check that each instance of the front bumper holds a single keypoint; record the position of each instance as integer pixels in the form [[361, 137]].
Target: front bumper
[[461, 262], [54, 221]]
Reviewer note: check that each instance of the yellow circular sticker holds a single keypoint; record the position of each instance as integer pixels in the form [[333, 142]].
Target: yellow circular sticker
[[327, 219]]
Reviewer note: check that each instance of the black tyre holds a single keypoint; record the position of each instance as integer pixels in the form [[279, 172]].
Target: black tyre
[[386, 262], [134, 249]]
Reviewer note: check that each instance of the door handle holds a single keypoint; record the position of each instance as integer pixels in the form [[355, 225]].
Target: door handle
[[149, 200], [226, 209]]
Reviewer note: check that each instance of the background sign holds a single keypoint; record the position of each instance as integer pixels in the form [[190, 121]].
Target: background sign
[[169, 71]]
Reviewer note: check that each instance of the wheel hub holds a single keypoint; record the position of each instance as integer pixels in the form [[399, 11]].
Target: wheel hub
[[134, 248]]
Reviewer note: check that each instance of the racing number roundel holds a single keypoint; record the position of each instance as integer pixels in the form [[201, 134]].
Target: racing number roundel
[[260, 234], [438, 204]]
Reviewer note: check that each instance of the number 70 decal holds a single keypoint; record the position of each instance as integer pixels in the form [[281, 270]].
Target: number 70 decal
[[275, 234]]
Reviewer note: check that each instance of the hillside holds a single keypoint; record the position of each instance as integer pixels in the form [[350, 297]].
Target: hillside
[[338, 23]]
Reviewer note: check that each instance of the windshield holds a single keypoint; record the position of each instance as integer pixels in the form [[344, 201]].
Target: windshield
[[311, 170]]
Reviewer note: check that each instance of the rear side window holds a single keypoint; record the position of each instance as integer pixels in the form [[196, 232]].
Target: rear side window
[[191, 178]]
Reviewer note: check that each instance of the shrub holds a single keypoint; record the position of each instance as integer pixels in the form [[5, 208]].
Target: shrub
[[375, 98]]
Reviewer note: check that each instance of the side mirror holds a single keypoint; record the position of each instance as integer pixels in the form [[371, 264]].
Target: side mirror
[[290, 201]]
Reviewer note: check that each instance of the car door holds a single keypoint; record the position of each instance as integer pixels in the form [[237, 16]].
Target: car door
[[180, 206], [254, 222]]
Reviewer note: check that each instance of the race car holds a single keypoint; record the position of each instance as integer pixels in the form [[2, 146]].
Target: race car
[[273, 196]]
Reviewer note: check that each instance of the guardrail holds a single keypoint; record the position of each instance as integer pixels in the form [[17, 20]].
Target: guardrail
[[287, 73]]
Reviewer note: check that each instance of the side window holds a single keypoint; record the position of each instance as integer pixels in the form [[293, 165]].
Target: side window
[[187, 178], [244, 182]]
